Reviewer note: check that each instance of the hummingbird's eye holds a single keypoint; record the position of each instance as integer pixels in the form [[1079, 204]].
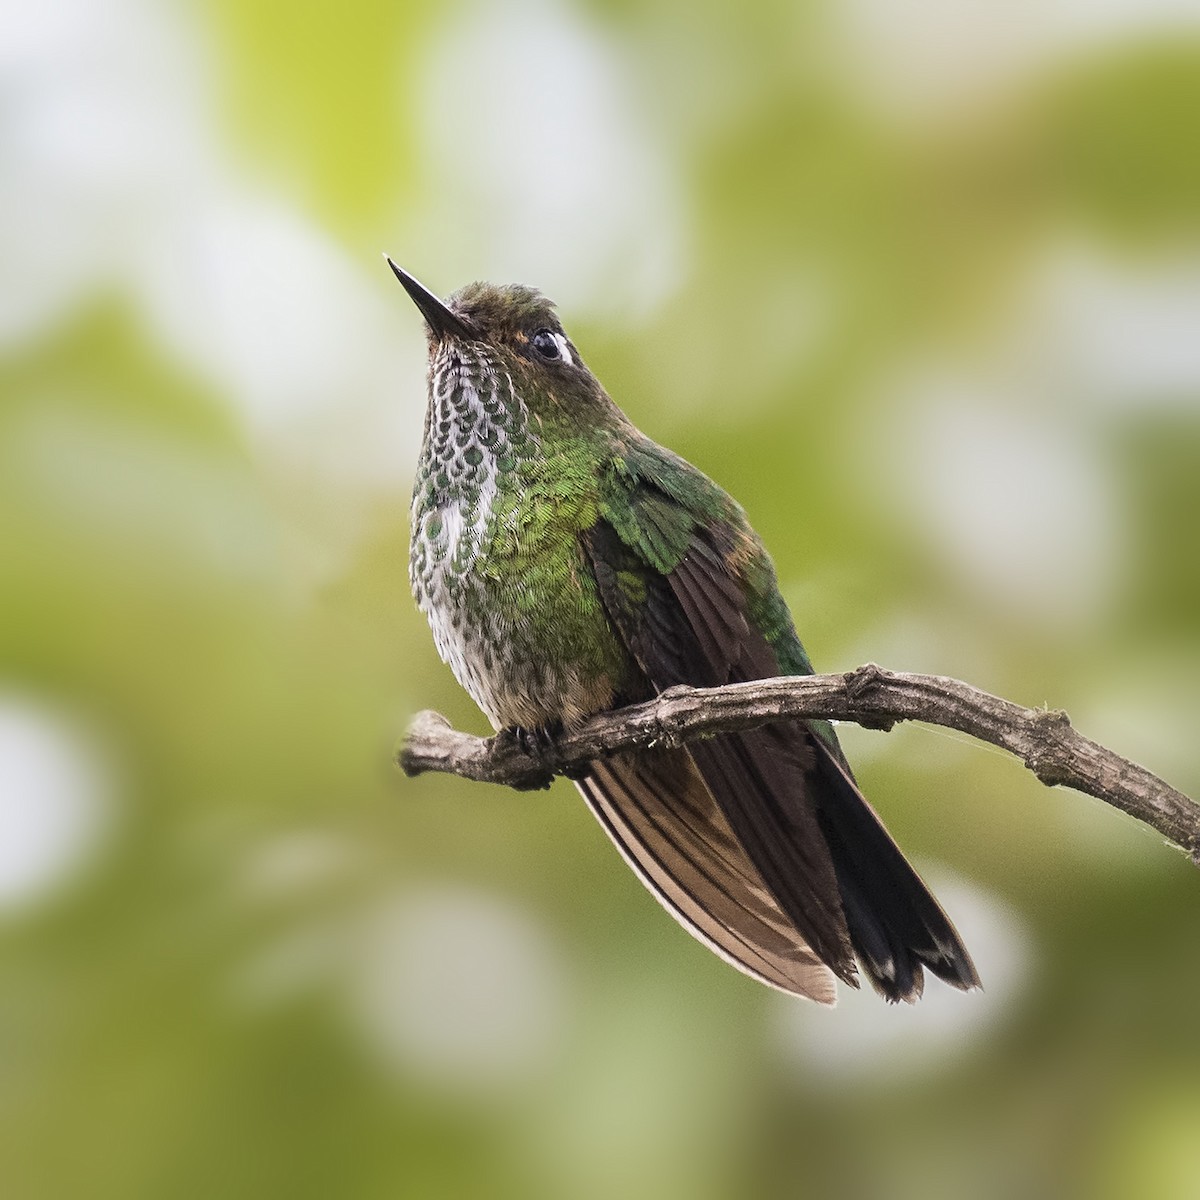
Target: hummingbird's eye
[[548, 344]]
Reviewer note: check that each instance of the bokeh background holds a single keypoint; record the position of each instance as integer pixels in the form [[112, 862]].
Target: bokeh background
[[917, 280]]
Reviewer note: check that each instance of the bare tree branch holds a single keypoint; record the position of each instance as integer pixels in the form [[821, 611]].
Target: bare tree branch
[[1043, 740]]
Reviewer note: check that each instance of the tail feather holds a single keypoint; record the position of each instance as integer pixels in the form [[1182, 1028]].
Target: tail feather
[[896, 926]]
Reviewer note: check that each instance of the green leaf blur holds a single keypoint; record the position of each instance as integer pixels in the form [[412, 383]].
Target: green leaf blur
[[920, 288]]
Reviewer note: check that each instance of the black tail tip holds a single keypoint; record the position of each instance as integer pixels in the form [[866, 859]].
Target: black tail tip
[[905, 981]]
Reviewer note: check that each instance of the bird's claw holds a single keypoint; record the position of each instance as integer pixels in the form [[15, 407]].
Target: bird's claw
[[537, 743], [537, 740]]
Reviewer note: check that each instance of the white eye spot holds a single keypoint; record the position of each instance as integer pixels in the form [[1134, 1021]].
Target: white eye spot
[[564, 351]]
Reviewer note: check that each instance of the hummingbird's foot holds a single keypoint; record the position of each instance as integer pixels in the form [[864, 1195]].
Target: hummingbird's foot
[[533, 743], [537, 742]]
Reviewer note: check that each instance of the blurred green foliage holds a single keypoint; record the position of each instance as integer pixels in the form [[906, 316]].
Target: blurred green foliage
[[281, 969]]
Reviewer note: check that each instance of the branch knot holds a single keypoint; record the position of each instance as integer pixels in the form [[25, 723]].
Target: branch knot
[[1049, 757], [863, 680]]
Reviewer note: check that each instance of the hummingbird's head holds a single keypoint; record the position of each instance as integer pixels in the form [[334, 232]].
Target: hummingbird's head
[[513, 327]]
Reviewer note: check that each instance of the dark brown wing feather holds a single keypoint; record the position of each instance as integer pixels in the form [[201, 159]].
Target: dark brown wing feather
[[660, 814]]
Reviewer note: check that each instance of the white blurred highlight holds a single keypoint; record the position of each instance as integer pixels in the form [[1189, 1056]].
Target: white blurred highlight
[[929, 58], [545, 169], [1001, 459], [1121, 336], [862, 1042], [461, 988], [115, 180], [1016, 500], [55, 800]]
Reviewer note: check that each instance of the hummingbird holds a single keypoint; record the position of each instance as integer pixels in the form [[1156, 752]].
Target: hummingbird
[[569, 565]]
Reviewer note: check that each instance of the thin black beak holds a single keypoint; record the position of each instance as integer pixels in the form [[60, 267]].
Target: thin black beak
[[444, 321]]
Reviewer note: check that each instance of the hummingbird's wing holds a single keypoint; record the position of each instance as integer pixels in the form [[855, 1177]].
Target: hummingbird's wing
[[679, 631], [662, 817], [688, 588]]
